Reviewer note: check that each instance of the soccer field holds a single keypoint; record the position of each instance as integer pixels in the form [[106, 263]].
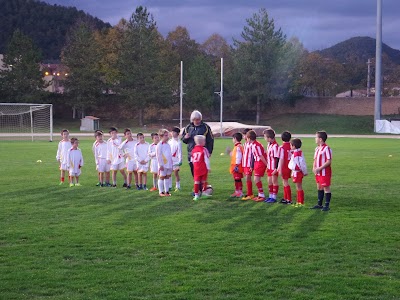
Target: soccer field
[[87, 242]]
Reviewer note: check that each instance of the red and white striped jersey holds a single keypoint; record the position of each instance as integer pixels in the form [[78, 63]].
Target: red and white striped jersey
[[322, 154], [247, 158], [257, 149], [297, 162], [273, 153]]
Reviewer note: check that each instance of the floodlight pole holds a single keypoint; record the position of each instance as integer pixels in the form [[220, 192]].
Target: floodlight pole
[[181, 97], [378, 64], [221, 94]]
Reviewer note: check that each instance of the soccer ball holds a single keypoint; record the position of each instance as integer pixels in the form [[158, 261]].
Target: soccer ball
[[208, 191]]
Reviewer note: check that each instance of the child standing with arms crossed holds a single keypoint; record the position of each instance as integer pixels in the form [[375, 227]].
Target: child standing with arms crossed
[[297, 165], [62, 154], [236, 168], [75, 162], [322, 170], [200, 158]]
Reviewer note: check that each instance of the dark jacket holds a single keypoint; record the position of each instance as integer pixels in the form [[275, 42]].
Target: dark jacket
[[202, 129]]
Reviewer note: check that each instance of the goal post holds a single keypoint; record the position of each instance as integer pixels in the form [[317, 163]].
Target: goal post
[[26, 121]]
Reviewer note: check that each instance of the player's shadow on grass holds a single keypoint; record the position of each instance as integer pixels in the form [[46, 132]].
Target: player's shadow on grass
[[310, 225]]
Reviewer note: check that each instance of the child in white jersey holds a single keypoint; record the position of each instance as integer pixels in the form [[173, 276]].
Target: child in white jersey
[[142, 160], [153, 160], [100, 156], [176, 150], [128, 148], [75, 162], [164, 159], [115, 156], [62, 153]]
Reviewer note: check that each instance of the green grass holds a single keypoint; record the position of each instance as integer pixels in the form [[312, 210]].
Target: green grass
[[58, 242]]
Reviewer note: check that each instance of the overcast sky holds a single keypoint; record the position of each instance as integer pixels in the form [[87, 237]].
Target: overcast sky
[[317, 23]]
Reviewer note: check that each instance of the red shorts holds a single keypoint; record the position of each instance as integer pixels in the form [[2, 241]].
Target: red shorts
[[200, 178], [297, 177], [259, 169], [237, 176], [285, 174], [324, 181], [247, 171], [269, 173]]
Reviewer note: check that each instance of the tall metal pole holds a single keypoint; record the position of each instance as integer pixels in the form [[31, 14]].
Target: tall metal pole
[[181, 97], [378, 64], [369, 78], [222, 94]]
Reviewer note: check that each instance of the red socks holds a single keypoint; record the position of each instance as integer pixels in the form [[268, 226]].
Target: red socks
[[196, 188], [300, 197], [287, 193], [260, 187], [249, 188]]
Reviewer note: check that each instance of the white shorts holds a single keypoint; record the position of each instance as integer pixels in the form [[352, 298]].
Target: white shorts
[[154, 166], [142, 168], [103, 166], [64, 167], [164, 173], [131, 166], [176, 168], [73, 172], [117, 167]]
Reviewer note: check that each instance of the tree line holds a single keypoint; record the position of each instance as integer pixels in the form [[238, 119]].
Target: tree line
[[133, 64]]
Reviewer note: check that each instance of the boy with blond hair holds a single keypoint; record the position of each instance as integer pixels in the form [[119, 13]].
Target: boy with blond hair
[[200, 158], [164, 159], [62, 154]]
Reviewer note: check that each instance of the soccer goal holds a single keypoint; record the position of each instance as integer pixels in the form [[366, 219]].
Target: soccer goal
[[26, 120]]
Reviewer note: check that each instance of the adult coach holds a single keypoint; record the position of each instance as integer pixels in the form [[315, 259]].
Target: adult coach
[[197, 127]]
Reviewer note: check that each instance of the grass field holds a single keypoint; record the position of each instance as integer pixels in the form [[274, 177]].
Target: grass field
[[85, 242]]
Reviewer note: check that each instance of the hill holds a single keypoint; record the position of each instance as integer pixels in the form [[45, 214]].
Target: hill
[[359, 50], [46, 24]]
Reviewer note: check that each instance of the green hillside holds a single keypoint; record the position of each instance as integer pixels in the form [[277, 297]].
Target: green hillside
[[46, 24], [359, 50]]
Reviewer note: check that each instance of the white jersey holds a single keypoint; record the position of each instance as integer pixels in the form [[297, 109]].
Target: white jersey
[[176, 150], [164, 155], [128, 148], [94, 149], [100, 151], [153, 158], [114, 154], [62, 151], [142, 152], [75, 161]]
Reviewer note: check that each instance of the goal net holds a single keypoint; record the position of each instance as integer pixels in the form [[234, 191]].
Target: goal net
[[26, 121]]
